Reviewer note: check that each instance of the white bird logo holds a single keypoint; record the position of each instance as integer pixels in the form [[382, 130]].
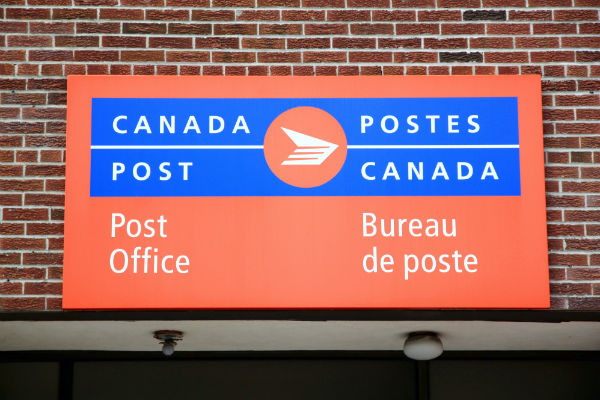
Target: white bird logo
[[309, 151]]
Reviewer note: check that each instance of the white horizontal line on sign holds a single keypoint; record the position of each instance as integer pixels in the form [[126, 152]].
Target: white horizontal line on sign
[[434, 146], [259, 147]]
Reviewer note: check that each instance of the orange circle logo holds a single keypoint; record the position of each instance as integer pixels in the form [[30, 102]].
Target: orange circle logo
[[305, 147]]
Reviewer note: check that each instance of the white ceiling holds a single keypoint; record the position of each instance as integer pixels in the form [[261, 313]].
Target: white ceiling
[[295, 335]]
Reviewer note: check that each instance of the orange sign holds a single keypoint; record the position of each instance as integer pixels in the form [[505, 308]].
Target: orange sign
[[305, 192]]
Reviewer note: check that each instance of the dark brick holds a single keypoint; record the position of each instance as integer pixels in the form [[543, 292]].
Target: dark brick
[[484, 15], [461, 57]]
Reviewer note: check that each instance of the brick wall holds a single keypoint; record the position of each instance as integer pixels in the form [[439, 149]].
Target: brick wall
[[43, 41]]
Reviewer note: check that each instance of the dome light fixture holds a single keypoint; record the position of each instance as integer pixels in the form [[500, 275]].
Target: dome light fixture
[[169, 339], [422, 346]]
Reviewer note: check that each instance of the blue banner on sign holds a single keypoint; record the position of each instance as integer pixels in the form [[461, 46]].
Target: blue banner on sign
[[395, 147]]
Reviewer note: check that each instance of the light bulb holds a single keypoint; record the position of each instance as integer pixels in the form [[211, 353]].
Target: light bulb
[[168, 348], [423, 346]]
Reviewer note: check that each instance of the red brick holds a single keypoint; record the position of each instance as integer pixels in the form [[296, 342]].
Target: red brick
[[44, 199], [50, 55], [11, 229], [537, 42], [11, 288], [121, 14], [324, 56], [45, 170], [22, 243], [146, 69], [27, 13], [302, 15], [583, 274], [188, 56], [258, 15], [418, 56], [44, 113], [508, 29], [189, 29], [123, 41], [279, 57], [303, 70], [459, 3], [55, 273], [140, 27], [13, 27], [13, 84], [217, 43], [103, 27], [262, 43], [22, 303], [417, 29], [463, 29], [166, 70], [348, 15], [588, 113], [324, 3], [95, 2], [51, 155], [416, 70], [52, 70], [29, 41], [369, 3], [536, 15], [589, 28], [213, 15], [568, 259], [354, 43], [397, 43], [325, 29], [280, 70], [578, 100], [552, 56], [575, 15], [10, 141], [372, 29], [235, 29], [278, 3], [6, 155], [234, 70], [556, 28], [96, 55], [54, 303], [588, 56], [439, 16], [370, 56], [233, 57], [571, 288], [309, 43], [142, 55], [74, 13], [27, 156], [43, 288], [491, 43], [581, 41], [393, 16], [23, 98], [413, 3], [22, 273], [280, 29], [168, 15], [454, 43], [171, 43], [228, 3], [21, 127], [56, 244], [258, 70]]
